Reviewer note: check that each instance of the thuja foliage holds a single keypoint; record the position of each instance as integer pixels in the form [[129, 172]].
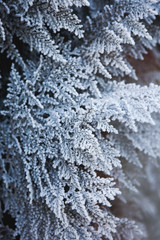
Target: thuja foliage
[[78, 128]]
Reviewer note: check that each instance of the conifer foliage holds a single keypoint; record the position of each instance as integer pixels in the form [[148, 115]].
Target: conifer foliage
[[78, 129]]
